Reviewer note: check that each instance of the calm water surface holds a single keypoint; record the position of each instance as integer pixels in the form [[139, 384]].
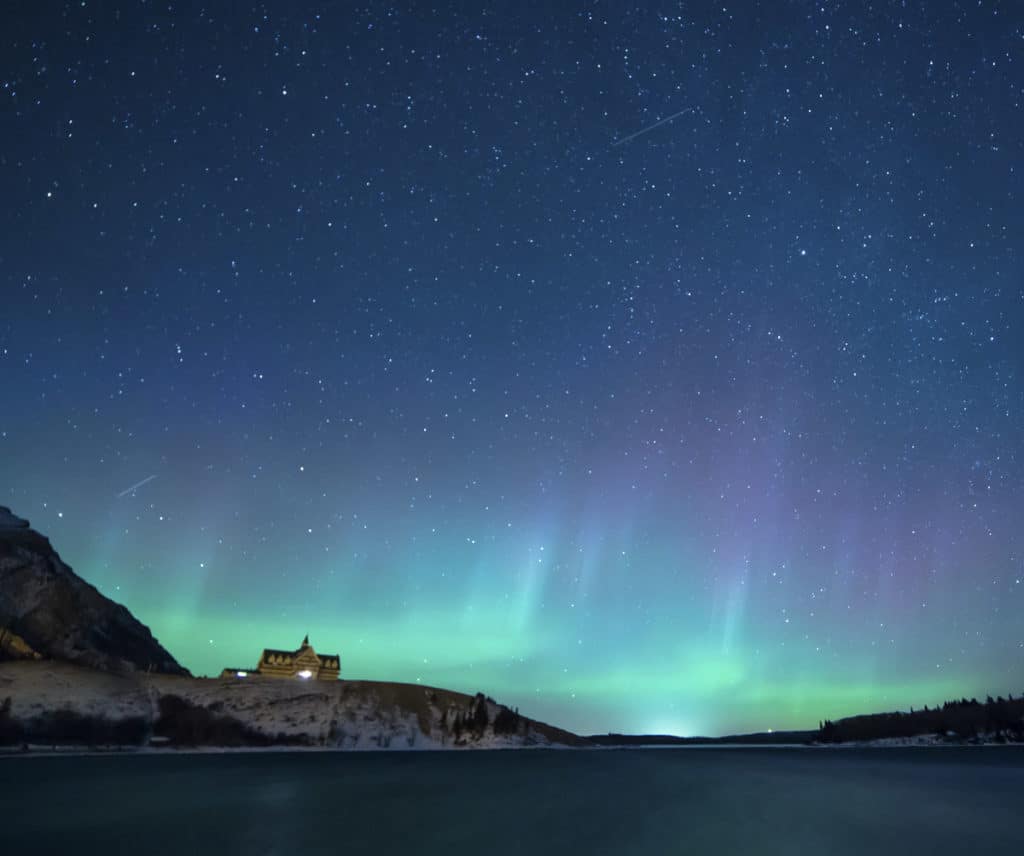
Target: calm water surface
[[943, 801]]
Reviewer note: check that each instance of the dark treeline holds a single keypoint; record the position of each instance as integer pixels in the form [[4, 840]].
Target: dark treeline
[[183, 723], [999, 719], [180, 723], [68, 727], [471, 723]]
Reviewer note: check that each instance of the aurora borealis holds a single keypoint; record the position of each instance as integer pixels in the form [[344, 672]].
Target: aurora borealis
[[714, 428]]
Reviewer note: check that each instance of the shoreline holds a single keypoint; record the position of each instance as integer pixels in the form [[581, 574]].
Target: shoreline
[[71, 751], [41, 751]]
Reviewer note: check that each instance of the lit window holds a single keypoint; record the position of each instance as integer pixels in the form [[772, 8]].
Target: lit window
[[241, 674], [305, 673]]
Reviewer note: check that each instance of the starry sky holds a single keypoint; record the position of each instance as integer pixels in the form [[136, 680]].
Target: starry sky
[[419, 329]]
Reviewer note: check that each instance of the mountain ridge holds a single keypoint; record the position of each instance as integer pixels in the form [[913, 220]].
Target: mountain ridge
[[47, 610]]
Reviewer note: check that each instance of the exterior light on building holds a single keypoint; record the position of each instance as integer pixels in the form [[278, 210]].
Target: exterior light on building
[[302, 663]]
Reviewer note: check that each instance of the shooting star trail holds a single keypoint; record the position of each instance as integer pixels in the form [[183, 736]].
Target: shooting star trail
[[657, 124], [135, 487]]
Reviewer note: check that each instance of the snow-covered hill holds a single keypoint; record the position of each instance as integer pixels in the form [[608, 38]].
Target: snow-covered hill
[[53, 702]]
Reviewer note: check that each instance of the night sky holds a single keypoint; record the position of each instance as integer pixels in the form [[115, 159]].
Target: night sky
[[422, 348]]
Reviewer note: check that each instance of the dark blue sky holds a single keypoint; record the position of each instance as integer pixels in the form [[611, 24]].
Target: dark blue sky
[[712, 428]]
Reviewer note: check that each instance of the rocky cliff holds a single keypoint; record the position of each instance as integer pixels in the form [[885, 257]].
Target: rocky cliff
[[47, 610]]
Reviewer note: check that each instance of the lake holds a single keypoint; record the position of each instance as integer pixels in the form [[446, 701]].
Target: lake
[[659, 801]]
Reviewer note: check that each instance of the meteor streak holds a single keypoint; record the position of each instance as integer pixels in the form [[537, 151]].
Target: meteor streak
[[135, 487], [657, 124]]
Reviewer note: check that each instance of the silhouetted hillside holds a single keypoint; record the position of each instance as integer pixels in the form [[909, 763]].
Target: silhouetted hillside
[[1000, 720]]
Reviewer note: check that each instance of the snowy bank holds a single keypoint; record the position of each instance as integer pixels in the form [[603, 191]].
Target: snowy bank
[[59, 703]]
